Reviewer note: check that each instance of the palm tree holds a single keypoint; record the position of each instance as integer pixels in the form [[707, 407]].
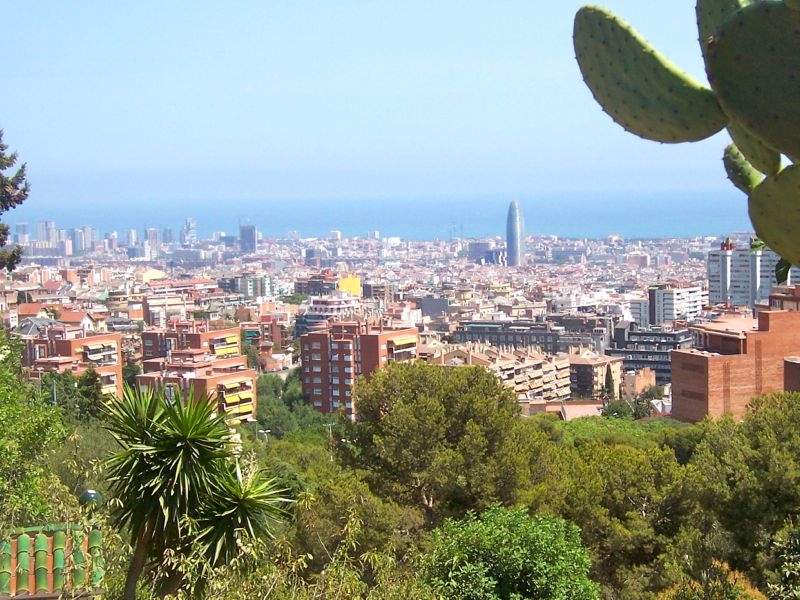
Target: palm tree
[[177, 486]]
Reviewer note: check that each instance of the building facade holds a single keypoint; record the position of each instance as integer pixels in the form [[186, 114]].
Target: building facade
[[741, 276], [333, 358], [515, 236], [734, 359]]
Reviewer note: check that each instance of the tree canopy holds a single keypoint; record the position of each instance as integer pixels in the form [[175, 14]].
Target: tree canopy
[[14, 189], [503, 554], [442, 438]]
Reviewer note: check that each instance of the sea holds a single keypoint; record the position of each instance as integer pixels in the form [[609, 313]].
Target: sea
[[595, 215]]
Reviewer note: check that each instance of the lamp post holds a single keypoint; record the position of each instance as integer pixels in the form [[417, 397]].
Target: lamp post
[[266, 433]]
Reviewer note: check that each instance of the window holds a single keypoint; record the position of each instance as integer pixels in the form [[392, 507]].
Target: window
[[334, 346], [335, 380], [348, 381], [306, 347], [317, 391], [348, 358], [317, 369], [335, 392], [318, 403], [316, 356], [317, 379], [315, 346]]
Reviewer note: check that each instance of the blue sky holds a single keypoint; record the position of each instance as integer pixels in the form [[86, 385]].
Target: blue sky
[[171, 101]]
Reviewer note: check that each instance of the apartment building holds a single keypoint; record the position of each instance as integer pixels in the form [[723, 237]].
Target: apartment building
[[534, 377], [589, 373], [51, 346], [735, 359], [223, 380], [550, 337], [334, 357], [667, 303], [191, 335], [648, 348], [741, 276]]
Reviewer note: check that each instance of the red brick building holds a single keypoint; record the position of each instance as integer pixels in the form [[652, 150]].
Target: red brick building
[[333, 358], [734, 359]]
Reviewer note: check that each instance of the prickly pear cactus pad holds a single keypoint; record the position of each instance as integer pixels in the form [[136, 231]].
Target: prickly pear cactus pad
[[639, 87], [741, 173], [761, 156], [774, 207], [753, 64], [711, 14]]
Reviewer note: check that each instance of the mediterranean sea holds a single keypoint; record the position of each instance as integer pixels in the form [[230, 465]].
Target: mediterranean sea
[[652, 215]]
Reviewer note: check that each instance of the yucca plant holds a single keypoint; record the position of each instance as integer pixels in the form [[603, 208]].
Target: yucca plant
[[178, 488]]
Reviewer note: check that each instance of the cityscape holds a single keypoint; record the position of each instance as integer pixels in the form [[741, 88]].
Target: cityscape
[[400, 301], [645, 311]]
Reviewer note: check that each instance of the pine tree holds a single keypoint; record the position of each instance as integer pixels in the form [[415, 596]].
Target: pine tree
[[14, 190]]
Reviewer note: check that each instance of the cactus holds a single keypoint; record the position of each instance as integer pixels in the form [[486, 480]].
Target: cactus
[[640, 88], [751, 51], [775, 212], [741, 173]]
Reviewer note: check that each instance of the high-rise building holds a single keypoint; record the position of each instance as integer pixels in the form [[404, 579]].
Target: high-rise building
[[248, 238], [741, 276], [335, 357], [668, 303], [515, 232], [189, 232]]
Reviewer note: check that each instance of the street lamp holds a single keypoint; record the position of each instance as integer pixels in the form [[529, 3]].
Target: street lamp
[[266, 433]]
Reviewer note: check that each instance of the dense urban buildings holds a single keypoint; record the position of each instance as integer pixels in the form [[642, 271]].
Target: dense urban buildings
[[633, 309]]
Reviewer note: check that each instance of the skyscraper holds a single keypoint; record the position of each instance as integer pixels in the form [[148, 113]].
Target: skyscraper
[[741, 276], [515, 234], [248, 238]]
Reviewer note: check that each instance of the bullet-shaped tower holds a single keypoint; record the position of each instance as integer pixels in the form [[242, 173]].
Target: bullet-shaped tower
[[515, 235]]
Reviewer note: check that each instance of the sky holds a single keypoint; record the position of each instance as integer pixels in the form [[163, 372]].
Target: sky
[[171, 102]]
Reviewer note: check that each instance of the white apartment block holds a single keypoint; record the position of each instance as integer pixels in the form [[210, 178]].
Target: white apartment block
[[667, 304], [741, 276]]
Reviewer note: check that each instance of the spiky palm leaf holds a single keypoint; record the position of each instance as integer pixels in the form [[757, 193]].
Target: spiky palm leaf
[[243, 505]]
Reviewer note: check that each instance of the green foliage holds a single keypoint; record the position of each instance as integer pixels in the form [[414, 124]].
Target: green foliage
[[179, 490], [435, 437], [786, 549], [617, 409], [280, 405], [129, 372], [717, 582], [294, 298], [29, 427], [609, 388], [14, 190], [505, 554], [80, 398], [253, 357]]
